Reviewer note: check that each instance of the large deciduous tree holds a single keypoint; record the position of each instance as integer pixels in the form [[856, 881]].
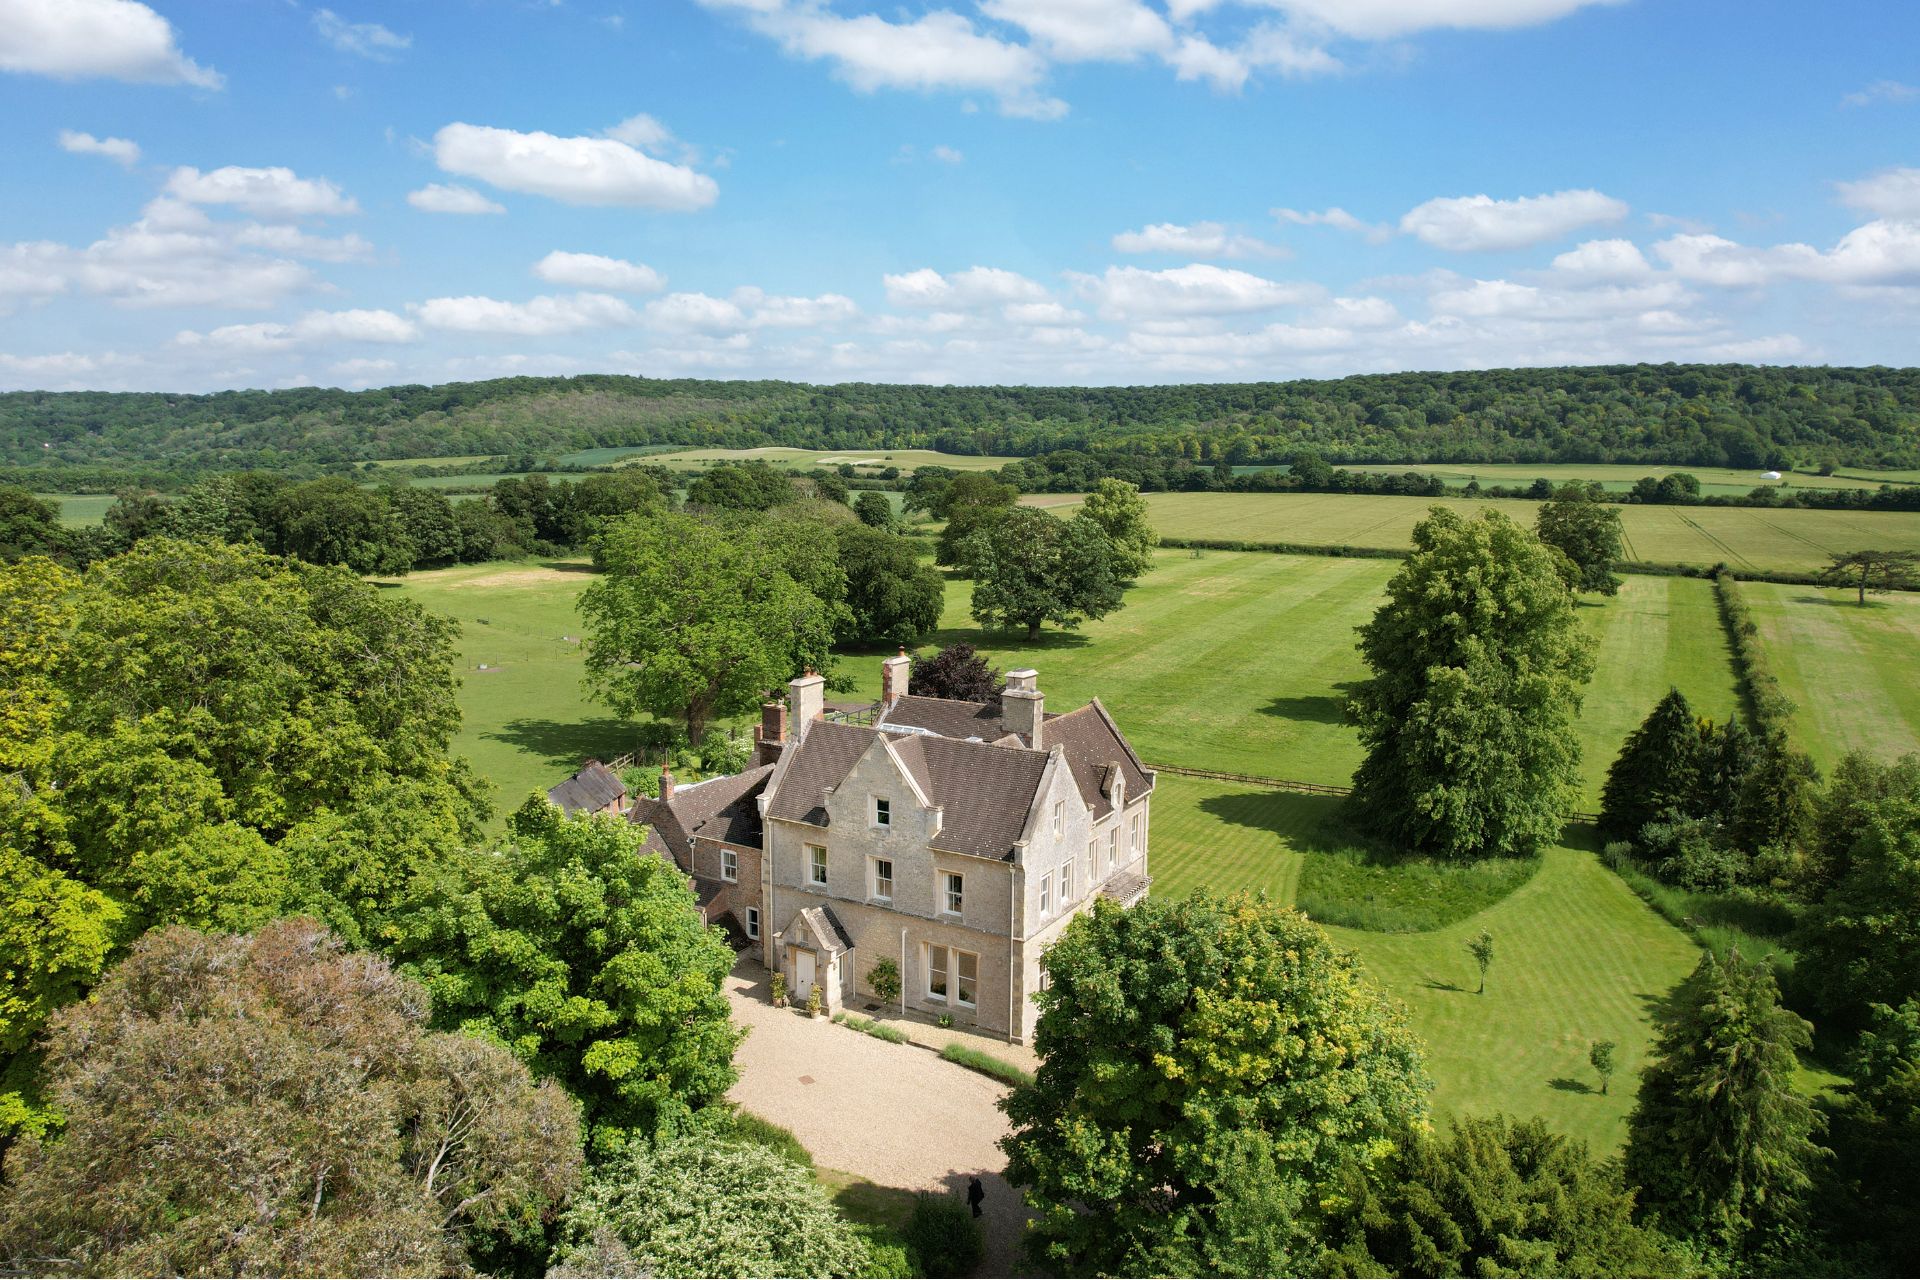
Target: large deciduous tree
[[1121, 513], [968, 503], [1478, 663], [891, 595], [707, 1205], [1719, 1143], [1870, 1202], [275, 1105], [28, 526], [1190, 1049], [585, 956], [693, 620], [1577, 524], [1031, 568]]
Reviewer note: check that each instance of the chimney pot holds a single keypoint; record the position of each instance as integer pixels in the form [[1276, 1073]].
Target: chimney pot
[[1023, 708], [666, 783], [893, 677], [806, 700]]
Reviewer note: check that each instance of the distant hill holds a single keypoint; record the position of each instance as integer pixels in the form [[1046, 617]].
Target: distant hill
[[1699, 415]]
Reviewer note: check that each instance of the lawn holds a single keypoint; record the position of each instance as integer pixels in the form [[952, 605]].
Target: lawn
[[1850, 670], [526, 721], [1620, 476], [1754, 539], [1577, 958]]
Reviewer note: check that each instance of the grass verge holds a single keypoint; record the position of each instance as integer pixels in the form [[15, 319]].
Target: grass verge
[[867, 1026], [1719, 921], [986, 1064]]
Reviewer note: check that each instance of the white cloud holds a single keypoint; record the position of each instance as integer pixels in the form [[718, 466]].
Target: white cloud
[[587, 171], [946, 154], [772, 311], [265, 193], [1339, 219], [1040, 313], [1386, 19], [1604, 260], [1715, 260], [940, 50], [1468, 223], [315, 327], [695, 312], [367, 39], [1086, 30], [1359, 313], [1281, 48], [646, 133], [974, 287], [1881, 91], [1504, 298], [536, 317], [447, 197], [1198, 240], [1199, 289], [84, 39], [1891, 193], [295, 243], [85, 144], [591, 271]]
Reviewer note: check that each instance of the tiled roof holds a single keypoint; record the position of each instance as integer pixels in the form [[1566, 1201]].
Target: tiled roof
[[984, 791], [694, 808], [828, 936], [590, 790], [1126, 888], [947, 717], [1093, 742]]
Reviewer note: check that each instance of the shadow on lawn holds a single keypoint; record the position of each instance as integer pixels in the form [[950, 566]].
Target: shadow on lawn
[[1325, 708], [986, 643], [1305, 822], [1566, 1085], [1848, 603], [565, 743]]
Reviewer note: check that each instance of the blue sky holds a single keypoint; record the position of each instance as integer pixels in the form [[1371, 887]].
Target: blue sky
[[201, 194]]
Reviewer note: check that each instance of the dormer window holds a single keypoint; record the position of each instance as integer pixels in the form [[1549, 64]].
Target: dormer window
[[882, 812]]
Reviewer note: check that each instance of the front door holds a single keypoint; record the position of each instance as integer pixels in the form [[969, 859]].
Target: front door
[[802, 974]]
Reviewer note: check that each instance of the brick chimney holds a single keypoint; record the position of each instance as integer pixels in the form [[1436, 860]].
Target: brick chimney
[[893, 677], [773, 732], [1023, 708], [666, 783], [806, 700]]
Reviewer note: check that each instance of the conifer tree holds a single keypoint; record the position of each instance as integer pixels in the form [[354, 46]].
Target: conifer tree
[[1657, 775], [1719, 1143]]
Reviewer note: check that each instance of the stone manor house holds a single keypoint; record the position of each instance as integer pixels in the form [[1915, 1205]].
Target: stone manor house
[[954, 838]]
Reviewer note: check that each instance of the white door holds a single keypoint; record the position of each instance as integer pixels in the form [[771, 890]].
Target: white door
[[802, 975]]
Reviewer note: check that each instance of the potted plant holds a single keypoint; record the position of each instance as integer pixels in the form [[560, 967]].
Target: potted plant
[[813, 1001], [884, 980], [779, 989]]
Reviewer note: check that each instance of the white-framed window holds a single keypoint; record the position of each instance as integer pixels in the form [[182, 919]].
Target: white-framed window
[[729, 865], [1059, 818], [936, 973], [1066, 882], [1046, 894], [966, 968], [816, 864], [1046, 976], [1113, 846], [882, 812], [753, 922], [880, 885], [1093, 862], [1133, 838], [953, 893]]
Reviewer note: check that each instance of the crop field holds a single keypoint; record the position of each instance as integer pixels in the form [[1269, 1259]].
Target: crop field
[[1755, 539], [808, 459], [1577, 958], [1852, 671], [1619, 477]]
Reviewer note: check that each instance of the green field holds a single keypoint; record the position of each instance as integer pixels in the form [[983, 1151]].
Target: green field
[[1852, 672], [79, 510], [526, 721], [1751, 539], [808, 459], [1620, 476], [1577, 958]]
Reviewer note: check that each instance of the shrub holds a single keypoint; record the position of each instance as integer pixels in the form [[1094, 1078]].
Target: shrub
[[748, 1127], [943, 1237], [884, 980]]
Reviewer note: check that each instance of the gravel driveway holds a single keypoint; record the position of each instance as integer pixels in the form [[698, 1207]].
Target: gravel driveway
[[894, 1114]]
